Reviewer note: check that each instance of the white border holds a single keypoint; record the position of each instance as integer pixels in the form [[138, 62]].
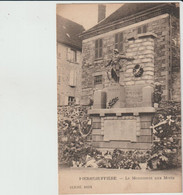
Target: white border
[[28, 130]]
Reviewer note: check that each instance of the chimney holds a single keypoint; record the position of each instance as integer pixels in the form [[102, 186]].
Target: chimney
[[101, 12]]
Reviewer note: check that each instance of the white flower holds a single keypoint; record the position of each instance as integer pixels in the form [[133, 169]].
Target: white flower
[[169, 119]]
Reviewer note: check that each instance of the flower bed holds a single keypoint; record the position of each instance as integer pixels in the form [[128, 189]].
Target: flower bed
[[118, 159], [75, 149]]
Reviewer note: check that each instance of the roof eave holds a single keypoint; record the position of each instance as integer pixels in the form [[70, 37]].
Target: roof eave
[[70, 45], [122, 20]]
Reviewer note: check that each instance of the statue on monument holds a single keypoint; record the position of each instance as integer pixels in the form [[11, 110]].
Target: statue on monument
[[116, 66]]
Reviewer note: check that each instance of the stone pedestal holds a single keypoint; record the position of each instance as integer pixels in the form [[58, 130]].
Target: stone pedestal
[[147, 96], [116, 91], [133, 96], [128, 96], [99, 99], [123, 128]]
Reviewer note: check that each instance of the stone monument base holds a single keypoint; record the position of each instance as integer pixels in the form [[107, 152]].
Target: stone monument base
[[122, 128]]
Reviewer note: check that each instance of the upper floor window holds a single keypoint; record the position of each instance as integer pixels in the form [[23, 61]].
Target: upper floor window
[[142, 29], [97, 79], [98, 48], [72, 55], [119, 41]]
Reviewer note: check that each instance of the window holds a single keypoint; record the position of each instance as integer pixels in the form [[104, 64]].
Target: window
[[119, 41], [97, 79], [71, 100], [98, 48], [142, 29], [72, 55]]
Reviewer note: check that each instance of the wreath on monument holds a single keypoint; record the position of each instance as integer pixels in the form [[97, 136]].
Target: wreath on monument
[[138, 70], [85, 127], [112, 102]]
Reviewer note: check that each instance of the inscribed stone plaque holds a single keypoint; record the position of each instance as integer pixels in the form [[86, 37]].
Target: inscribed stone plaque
[[120, 130], [133, 96]]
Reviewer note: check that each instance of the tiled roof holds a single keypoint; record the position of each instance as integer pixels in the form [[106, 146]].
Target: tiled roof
[[68, 32], [129, 9], [126, 11]]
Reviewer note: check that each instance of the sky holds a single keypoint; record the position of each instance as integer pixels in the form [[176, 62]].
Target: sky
[[84, 14]]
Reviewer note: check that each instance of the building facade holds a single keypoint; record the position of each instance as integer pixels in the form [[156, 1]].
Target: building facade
[[114, 32], [69, 60], [149, 34]]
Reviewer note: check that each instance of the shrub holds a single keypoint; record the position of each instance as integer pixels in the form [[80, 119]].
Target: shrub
[[165, 152]]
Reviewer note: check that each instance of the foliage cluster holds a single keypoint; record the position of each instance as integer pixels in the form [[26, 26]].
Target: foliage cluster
[[165, 151]]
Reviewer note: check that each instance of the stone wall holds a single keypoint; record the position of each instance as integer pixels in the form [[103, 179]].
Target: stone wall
[[64, 68], [161, 44], [175, 59], [162, 53], [142, 50]]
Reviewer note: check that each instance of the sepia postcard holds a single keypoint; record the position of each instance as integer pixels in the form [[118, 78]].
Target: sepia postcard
[[119, 98]]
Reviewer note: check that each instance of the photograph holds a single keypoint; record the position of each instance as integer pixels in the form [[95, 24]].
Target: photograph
[[118, 97]]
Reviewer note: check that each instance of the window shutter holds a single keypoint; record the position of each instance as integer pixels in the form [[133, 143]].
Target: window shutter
[[121, 37], [116, 38], [144, 28], [121, 42], [78, 56], [72, 79], [100, 42], [116, 41], [96, 49], [139, 30], [100, 48]]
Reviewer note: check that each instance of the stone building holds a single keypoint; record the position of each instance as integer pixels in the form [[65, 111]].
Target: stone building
[[68, 61], [147, 38]]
